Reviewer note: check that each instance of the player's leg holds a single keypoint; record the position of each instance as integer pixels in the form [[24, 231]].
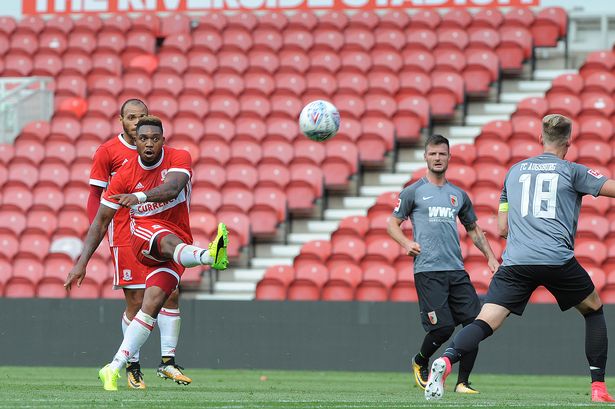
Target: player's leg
[[129, 275], [572, 286], [465, 306], [436, 318], [140, 328], [134, 299], [509, 291], [169, 323]]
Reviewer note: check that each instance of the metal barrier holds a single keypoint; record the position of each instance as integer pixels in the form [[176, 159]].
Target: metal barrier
[[23, 100]]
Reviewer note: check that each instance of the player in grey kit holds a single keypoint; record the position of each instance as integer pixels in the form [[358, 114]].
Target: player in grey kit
[[446, 295], [539, 210]]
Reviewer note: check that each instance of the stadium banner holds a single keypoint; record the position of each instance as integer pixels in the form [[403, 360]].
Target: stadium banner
[[30, 7]]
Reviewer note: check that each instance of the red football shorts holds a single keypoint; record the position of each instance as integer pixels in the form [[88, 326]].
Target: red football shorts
[[160, 273], [127, 271]]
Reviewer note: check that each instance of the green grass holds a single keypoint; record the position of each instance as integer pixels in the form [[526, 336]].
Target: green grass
[[26, 387]]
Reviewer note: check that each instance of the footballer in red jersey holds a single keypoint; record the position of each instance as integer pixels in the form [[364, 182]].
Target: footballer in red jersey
[[156, 187], [128, 272]]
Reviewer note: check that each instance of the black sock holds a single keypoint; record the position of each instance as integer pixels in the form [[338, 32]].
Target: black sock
[[168, 360], [467, 340], [596, 344], [420, 359], [432, 341], [466, 364]]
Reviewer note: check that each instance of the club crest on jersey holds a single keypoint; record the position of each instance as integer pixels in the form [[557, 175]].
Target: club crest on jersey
[[595, 173], [163, 174], [453, 200], [127, 275], [433, 318]]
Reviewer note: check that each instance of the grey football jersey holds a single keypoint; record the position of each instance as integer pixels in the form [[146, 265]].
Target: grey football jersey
[[544, 199], [433, 211]]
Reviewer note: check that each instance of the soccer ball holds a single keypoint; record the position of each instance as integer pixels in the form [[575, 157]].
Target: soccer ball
[[319, 120]]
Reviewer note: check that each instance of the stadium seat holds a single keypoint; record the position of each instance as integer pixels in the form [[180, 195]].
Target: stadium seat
[[596, 107], [394, 19], [493, 151], [480, 275], [487, 18], [53, 171], [593, 227], [247, 21], [463, 154], [357, 60], [274, 283], [550, 25], [19, 287], [341, 283], [568, 105], [376, 284], [268, 211], [7, 25], [456, 18], [267, 38], [488, 175], [307, 284], [525, 129], [597, 61], [17, 195], [334, 19], [9, 246], [47, 196], [447, 91], [340, 163], [40, 219], [305, 187], [73, 223], [515, 47], [590, 252], [404, 290], [426, 18], [481, 70], [496, 131]]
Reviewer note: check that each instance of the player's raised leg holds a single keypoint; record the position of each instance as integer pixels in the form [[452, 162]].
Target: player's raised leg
[[168, 255], [466, 341]]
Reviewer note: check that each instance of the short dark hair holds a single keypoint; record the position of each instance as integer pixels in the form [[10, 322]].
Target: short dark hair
[[150, 120], [132, 101], [437, 140]]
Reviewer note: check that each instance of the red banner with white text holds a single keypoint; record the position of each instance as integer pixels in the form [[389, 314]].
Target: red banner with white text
[[160, 6]]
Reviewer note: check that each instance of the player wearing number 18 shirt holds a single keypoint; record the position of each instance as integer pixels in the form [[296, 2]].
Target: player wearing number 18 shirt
[[539, 210]]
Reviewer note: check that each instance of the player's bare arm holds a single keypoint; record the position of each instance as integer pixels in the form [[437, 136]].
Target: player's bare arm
[[394, 229], [503, 220], [173, 184], [480, 241], [608, 189], [96, 233]]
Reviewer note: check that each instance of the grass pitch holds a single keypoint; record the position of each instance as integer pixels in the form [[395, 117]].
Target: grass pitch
[[25, 387]]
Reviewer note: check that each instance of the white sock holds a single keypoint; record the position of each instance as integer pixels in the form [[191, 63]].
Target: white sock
[[125, 323], [136, 334], [169, 323], [191, 256]]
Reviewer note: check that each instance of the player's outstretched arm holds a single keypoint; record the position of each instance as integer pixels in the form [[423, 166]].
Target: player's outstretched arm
[[480, 241], [173, 184], [96, 233], [394, 229], [608, 189]]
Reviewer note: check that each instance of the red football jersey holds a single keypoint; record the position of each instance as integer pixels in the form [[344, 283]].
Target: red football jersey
[[109, 157], [134, 176]]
